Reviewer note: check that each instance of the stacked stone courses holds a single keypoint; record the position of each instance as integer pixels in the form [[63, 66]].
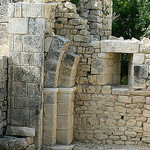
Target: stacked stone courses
[[60, 77], [107, 112]]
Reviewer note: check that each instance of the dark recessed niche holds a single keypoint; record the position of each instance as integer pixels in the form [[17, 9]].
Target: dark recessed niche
[[124, 69], [122, 117]]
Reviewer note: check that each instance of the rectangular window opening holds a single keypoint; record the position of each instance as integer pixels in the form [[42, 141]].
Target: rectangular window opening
[[124, 73]]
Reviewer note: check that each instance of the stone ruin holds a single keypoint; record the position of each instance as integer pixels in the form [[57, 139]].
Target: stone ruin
[[60, 77]]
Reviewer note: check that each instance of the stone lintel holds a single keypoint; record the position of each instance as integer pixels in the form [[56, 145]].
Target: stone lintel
[[50, 90], [66, 90], [120, 46]]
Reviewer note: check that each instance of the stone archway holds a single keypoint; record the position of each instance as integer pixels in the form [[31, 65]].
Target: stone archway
[[60, 71]]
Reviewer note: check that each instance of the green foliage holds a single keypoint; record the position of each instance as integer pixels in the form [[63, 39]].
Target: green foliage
[[124, 69], [76, 2], [147, 32], [131, 18]]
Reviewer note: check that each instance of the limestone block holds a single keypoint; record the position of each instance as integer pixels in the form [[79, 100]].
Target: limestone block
[[71, 15], [19, 89], [50, 116], [48, 138], [65, 108], [140, 76], [146, 113], [142, 93], [146, 139], [15, 143], [33, 44], [18, 43], [146, 126], [104, 79], [145, 45], [66, 95], [37, 26], [4, 13], [70, 6], [19, 117], [75, 22], [65, 136], [30, 10], [64, 122], [124, 99], [50, 112], [20, 131], [148, 100], [120, 109], [106, 90], [96, 44], [97, 66], [119, 46], [131, 123], [18, 10], [31, 147], [138, 58], [18, 26], [120, 90], [27, 74], [138, 99], [50, 80], [130, 133]]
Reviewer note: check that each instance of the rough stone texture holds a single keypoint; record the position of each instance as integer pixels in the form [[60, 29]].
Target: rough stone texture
[[3, 94], [56, 51], [20, 131], [99, 16], [39, 65], [4, 27], [88, 146], [120, 46], [15, 143], [28, 26]]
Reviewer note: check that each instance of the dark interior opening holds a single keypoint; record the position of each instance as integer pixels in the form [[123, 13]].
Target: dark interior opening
[[124, 69]]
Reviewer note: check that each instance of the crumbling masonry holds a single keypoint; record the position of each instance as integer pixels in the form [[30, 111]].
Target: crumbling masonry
[[60, 77]]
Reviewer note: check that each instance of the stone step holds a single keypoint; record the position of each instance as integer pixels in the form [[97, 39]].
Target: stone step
[[59, 147], [15, 143]]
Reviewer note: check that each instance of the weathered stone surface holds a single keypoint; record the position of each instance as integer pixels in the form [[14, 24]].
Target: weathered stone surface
[[140, 76], [33, 44], [119, 46], [12, 143], [18, 26], [20, 131], [138, 58], [104, 112]]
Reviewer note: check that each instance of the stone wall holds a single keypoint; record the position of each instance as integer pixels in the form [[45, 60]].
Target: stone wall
[[3, 94], [28, 26], [43, 73], [4, 27], [110, 113], [99, 16]]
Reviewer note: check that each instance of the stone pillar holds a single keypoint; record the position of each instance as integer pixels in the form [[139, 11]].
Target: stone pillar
[[28, 23], [50, 116], [65, 107]]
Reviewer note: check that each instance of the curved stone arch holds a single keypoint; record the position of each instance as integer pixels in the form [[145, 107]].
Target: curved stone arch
[[53, 58], [60, 70], [68, 70]]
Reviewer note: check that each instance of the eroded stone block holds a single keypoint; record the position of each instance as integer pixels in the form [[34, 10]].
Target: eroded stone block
[[20, 131], [18, 26]]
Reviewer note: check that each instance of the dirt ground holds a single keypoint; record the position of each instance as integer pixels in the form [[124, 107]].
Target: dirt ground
[[83, 146]]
